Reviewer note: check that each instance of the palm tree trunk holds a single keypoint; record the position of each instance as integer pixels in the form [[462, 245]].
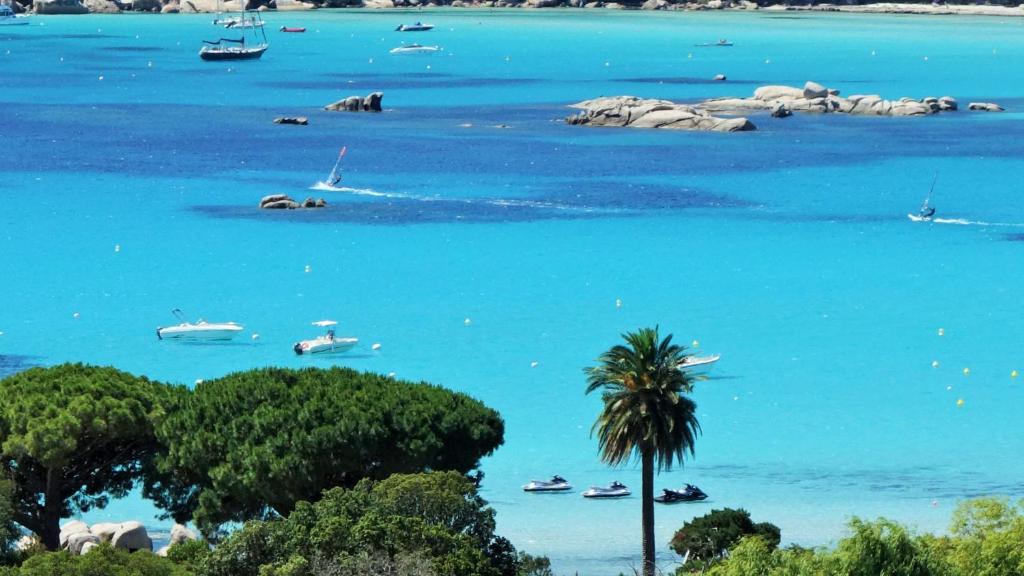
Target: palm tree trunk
[[647, 515]]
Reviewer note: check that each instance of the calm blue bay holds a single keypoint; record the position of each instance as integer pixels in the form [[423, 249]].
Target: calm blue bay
[[132, 172]]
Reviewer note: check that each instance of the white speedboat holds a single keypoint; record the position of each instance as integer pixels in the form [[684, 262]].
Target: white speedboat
[[326, 344], [556, 484], [417, 27], [9, 18], [699, 364], [201, 330], [415, 49], [614, 490]]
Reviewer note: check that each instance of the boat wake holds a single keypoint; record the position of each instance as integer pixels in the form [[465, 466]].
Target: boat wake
[[325, 187], [964, 222]]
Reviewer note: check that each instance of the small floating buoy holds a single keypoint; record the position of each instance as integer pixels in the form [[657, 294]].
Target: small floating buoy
[[935, 503], [935, 363], [690, 55], [117, 247], [75, 315], [534, 364], [371, 60], [735, 397], [925, 58], [199, 381], [391, 374], [101, 77], [255, 336], [308, 268], [768, 61], [959, 402], [1013, 374], [967, 371], [695, 343], [872, 52], [1, 333], [375, 346], [618, 302], [948, 388], [149, 64], [428, 66], [942, 332], [607, 63], [467, 321], [508, 58]]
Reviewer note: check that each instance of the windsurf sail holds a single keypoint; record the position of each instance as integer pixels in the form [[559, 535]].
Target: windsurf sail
[[927, 210], [335, 176]]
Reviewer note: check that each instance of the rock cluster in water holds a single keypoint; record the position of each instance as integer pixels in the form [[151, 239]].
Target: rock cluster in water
[[371, 103], [641, 113], [813, 97], [283, 202], [77, 537], [296, 120]]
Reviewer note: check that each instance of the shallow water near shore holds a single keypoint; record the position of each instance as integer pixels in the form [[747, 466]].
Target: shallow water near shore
[[133, 171]]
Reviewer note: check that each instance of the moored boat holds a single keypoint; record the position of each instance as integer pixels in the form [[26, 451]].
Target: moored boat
[[556, 484], [415, 49], [698, 364], [201, 330], [9, 18], [417, 27], [287, 29], [326, 344], [614, 490], [236, 48], [722, 42]]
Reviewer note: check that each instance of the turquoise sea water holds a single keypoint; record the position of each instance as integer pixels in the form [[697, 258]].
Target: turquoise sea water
[[786, 250]]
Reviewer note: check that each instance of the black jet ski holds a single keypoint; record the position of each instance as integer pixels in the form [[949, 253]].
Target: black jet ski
[[688, 494]]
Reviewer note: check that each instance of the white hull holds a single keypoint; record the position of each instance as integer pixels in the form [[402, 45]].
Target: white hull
[[14, 22], [200, 331], [415, 49], [597, 492], [541, 486], [699, 364], [325, 346]]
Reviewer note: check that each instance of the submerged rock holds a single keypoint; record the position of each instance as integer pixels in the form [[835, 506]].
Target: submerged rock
[[640, 113], [297, 120]]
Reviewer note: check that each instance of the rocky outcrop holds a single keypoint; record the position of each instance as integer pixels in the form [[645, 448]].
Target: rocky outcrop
[[59, 7], [104, 530], [719, 78], [283, 202], [78, 540], [297, 120], [371, 103], [180, 533], [640, 113], [814, 97], [132, 536], [69, 529], [985, 107]]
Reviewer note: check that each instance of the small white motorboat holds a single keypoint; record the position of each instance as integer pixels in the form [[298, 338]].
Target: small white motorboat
[[699, 364], [417, 27], [415, 49], [201, 330], [9, 18], [556, 484], [614, 490], [326, 344]]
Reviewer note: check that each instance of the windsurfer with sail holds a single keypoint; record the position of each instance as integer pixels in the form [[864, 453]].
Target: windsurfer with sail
[[335, 178]]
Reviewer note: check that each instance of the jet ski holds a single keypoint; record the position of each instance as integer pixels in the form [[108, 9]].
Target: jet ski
[[688, 494], [614, 490], [556, 484]]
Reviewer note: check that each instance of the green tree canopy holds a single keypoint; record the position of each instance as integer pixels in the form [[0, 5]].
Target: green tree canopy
[[101, 561], [74, 436], [646, 413], [254, 443], [708, 537], [433, 524]]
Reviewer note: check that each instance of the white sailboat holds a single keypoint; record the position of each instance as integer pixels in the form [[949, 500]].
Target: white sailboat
[[236, 48]]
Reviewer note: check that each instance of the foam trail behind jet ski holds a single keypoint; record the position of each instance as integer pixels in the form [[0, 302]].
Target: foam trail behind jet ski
[[963, 222]]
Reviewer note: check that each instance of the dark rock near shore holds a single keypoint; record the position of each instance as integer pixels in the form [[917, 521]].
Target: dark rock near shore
[[59, 7]]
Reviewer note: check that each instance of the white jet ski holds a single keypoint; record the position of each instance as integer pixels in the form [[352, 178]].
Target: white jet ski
[[614, 490], [556, 484], [415, 49], [201, 330], [326, 344]]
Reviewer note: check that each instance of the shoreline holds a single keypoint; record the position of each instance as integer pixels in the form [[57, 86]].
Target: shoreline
[[50, 7]]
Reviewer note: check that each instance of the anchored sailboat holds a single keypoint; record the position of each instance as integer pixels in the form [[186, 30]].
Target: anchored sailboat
[[235, 48]]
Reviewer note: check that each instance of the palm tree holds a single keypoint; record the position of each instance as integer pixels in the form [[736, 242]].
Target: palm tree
[[645, 413]]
